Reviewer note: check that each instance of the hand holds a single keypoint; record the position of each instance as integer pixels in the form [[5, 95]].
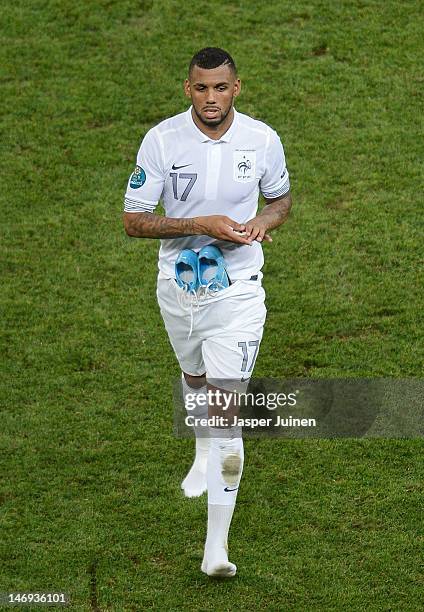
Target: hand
[[222, 227], [256, 230]]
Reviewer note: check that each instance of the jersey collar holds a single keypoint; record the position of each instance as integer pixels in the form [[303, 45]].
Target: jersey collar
[[202, 137]]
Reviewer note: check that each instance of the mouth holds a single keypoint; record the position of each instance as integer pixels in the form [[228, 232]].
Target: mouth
[[211, 112]]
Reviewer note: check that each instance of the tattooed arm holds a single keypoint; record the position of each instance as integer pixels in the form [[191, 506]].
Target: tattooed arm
[[150, 225], [271, 216]]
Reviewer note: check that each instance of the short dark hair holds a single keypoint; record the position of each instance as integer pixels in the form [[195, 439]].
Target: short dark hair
[[212, 57]]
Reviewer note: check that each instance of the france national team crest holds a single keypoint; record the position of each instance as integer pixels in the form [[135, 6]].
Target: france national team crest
[[138, 178], [244, 165]]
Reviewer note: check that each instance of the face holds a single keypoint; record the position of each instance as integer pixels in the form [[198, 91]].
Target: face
[[212, 92]]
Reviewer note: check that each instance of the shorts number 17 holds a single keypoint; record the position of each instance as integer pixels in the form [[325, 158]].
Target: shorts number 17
[[245, 365]]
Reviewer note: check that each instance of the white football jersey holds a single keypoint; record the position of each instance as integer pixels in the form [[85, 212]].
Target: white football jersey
[[195, 175]]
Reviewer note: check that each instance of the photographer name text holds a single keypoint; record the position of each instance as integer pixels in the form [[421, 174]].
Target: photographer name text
[[251, 423]]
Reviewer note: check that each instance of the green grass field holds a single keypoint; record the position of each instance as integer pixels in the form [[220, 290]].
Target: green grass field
[[90, 470]]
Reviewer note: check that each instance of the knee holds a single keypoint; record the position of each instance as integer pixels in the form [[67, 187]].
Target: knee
[[232, 467], [195, 382]]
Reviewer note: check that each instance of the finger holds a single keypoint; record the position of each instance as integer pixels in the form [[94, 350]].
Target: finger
[[249, 229], [239, 238], [260, 236], [255, 233], [240, 227], [267, 238]]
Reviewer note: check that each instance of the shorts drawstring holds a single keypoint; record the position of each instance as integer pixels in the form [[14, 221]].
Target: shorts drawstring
[[194, 294], [187, 299]]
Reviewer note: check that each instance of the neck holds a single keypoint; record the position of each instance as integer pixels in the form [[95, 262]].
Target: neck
[[214, 131]]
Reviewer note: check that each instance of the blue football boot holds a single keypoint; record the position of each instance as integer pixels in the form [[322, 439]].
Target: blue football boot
[[186, 270], [212, 271]]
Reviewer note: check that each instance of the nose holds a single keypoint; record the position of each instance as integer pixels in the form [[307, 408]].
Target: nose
[[211, 96]]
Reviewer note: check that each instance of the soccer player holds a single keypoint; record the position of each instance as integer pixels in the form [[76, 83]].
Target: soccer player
[[208, 165]]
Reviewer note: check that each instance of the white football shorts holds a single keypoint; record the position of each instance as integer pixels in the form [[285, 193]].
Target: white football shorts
[[226, 332]]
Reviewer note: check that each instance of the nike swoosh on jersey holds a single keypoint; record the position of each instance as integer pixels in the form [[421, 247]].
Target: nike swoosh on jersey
[[174, 167], [227, 490]]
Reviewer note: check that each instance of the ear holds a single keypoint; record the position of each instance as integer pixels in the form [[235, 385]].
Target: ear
[[237, 87], [187, 88]]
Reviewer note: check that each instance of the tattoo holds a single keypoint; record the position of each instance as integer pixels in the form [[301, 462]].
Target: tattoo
[[150, 225], [276, 212]]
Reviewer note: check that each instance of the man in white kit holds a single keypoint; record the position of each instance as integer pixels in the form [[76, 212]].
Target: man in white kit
[[208, 165]]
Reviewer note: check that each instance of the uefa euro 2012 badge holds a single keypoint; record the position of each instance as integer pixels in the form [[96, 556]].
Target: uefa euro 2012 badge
[[138, 178]]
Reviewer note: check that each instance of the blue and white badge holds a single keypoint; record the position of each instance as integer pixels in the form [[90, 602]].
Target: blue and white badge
[[138, 178], [244, 165]]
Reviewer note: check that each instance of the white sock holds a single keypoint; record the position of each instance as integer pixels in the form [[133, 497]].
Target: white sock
[[194, 484], [225, 466]]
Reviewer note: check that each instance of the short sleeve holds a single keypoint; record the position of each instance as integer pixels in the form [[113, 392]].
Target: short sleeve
[[146, 183], [275, 180]]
